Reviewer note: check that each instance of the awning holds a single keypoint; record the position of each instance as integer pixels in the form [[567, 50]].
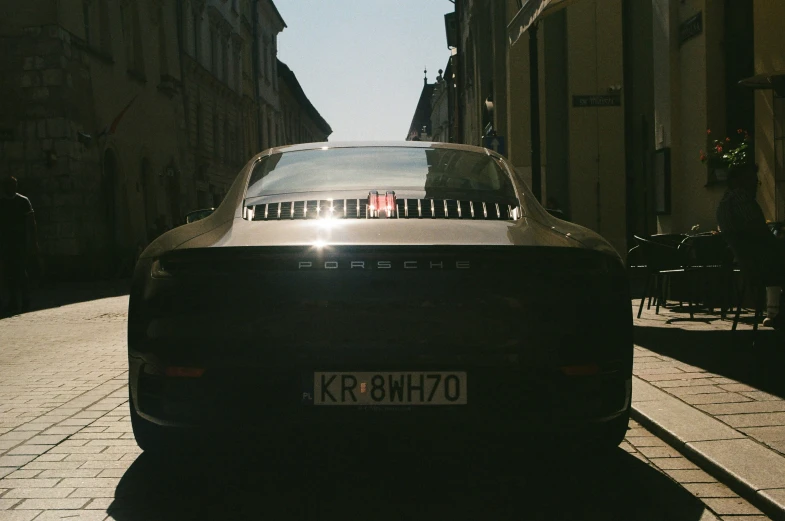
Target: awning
[[771, 81], [532, 11]]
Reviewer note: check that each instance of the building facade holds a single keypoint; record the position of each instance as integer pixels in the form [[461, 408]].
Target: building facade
[[604, 106], [119, 117], [302, 123], [91, 108]]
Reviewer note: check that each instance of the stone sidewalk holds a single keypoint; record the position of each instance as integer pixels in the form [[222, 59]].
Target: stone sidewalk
[[715, 397]]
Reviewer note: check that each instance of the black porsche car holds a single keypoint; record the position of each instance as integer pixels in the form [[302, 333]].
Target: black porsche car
[[405, 289]]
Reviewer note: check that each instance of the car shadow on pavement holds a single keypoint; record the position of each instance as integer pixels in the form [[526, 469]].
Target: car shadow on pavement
[[379, 487], [724, 353]]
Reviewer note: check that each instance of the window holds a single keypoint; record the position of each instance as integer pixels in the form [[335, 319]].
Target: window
[[415, 173]]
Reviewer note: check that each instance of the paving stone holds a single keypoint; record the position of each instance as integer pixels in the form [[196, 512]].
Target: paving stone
[[94, 492], [774, 433], [682, 421], [761, 396], [710, 490], [775, 497], [72, 515], [674, 463], [90, 482], [29, 449], [777, 445], [665, 368], [16, 515], [689, 476], [696, 389], [743, 408], [23, 474], [676, 377], [710, 398], [69, 473], [659, 452], [746, 461], [733, 506], [643, 391], [54, 492], [6, 504], [736, 387], [32, 482], [754, 420], [646, 441], [52, 504]]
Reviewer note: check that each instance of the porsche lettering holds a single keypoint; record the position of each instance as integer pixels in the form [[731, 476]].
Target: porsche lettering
[[383, 265]]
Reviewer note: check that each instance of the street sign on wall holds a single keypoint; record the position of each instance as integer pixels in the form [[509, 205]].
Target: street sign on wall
[[610, 100]]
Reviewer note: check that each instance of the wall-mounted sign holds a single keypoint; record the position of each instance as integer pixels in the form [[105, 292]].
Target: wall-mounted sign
[[611, 100], [451, 28], [690, 28], [6, 134], [495, 143]]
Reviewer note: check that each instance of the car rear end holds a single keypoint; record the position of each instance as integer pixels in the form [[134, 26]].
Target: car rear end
[[422, 340]]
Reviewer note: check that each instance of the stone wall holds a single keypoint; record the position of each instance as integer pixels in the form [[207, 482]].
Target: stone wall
[[44, 103]]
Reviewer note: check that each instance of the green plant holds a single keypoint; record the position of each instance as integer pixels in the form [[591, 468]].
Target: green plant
[[730, 153]]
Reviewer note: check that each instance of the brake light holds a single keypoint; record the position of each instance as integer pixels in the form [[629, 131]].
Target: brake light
[[184, 372], [381, 205]]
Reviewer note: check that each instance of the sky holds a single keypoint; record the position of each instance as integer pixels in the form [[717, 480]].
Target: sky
[[361, 62]]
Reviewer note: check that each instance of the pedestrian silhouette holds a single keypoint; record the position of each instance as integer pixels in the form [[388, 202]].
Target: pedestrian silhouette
[[18, 244]]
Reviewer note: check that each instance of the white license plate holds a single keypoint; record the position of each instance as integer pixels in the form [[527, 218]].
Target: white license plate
[[389, 388]]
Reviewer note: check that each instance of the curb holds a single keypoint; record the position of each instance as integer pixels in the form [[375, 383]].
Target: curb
[[707, 449]]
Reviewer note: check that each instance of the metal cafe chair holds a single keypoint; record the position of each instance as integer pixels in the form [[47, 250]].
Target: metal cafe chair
[[709, 261], [663, 259]]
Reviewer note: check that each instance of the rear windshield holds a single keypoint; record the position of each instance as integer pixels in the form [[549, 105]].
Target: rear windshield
[[410, 172]]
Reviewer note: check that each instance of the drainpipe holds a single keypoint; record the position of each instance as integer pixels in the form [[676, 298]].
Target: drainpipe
[[534, 80]]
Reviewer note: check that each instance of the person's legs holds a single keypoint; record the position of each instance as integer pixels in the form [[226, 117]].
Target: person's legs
[[774, 277], [12, 281]]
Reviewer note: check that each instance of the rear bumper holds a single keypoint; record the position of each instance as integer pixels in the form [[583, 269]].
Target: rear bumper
[[502, 402]]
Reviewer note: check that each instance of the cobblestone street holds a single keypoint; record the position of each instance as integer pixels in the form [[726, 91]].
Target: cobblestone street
[[67, 452]]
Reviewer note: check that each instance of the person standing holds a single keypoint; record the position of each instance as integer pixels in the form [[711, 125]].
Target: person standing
[[18, 242], [758, 251]]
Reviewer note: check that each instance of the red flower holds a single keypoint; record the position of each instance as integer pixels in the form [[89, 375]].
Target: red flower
[[727, 140], [740, 131], [708, 131], [719, 149]]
